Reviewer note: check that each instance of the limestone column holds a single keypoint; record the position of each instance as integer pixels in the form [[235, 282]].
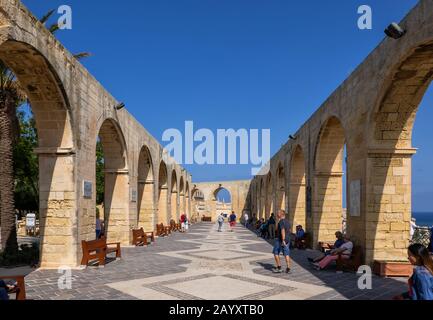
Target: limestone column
[[163, 206], [174, 205], [58, 208], [327, 206], [116, 206], [146, 218], [388, 204], [297, 209]]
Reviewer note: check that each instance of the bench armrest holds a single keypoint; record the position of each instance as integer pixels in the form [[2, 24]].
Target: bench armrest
[[21, 288]]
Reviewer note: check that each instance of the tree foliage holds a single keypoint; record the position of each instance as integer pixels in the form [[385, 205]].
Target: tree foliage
[[99, 173], [26, 168]]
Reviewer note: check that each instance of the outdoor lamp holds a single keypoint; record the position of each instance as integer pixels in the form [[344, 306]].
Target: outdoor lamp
[[395, 31], [120, 106]]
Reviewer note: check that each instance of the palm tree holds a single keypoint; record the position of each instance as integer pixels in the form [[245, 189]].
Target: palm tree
[[11, 97]]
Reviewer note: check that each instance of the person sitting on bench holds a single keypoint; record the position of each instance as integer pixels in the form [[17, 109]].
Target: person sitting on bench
[[345, 251], [338, 243], [264, 230], [299, 236], [5, 289]]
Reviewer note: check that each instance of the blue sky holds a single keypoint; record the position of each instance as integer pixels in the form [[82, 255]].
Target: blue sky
[[233, 64]]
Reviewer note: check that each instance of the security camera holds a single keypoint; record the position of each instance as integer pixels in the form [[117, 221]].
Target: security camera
[[395, 31]]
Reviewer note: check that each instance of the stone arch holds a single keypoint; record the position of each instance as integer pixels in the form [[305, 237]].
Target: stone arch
[[145, 190], [163, 194], [389, 163], [219, 207], [328, 182], [116, 182], [174, 192], [56, 148], [198, 202], [297, 189]]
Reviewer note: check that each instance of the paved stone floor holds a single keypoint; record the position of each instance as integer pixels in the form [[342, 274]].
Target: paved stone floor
[[205, 264]]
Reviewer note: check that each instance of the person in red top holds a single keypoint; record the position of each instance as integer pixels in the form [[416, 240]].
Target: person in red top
[[183, 222]]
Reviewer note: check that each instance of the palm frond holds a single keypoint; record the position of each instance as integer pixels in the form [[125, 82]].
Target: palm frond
[[82, 55], [47, 16], [53, 28]]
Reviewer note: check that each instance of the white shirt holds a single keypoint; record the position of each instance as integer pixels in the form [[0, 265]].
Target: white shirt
[[348, 246]]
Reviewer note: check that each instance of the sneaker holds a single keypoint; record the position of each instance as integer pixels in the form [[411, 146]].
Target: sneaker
[[288, 271], [316, 266], [277, 270]]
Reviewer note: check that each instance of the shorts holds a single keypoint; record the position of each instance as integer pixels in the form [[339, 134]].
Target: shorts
[[278, 248], [232, 223]]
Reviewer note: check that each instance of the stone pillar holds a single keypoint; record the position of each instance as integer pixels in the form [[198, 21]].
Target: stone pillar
[[182, 204], [174, 205], [58, 211], [116, 206], [388, 205], [327, 206], [146, 210], [296, 214], [163, 206]]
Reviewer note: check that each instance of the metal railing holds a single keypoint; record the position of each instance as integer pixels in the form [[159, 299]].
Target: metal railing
[[421, 235]]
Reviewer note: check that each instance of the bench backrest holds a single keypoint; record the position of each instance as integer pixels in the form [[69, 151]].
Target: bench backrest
[[159, 228], [94, 245], [137, 233], [357, 256]]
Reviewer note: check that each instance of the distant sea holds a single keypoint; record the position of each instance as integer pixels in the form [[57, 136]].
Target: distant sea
[[423, 219]]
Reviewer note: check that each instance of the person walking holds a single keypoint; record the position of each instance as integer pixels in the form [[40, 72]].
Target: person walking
[[232, 220], [246, 217], [282, 243], [271, 226], [186, 223], [182, 222], [98, 227], [220, 222]]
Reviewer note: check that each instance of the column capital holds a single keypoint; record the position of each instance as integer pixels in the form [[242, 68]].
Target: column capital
[[116, 171], [142, 181], [392, 151], [53, 151], [329, 174]]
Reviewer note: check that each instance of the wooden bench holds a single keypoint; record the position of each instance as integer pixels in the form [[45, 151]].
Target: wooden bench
[[304, 242], [174, 226], [162, 231], [98, 250], [20, 290], [353, 263], [139, 237]]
